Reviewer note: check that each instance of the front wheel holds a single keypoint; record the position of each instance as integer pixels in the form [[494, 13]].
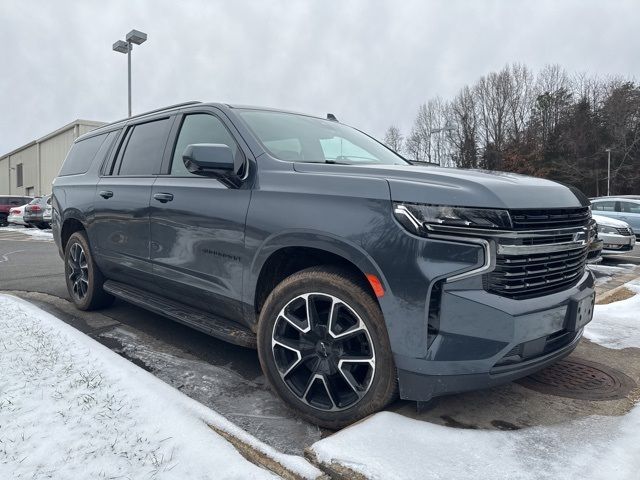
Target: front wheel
[[324, 348], [84, 278]]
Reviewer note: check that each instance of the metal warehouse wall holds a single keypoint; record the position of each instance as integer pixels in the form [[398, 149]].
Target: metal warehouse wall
[[41, 160]]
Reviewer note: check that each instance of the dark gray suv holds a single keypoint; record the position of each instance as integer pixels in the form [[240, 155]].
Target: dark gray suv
[[356, 275]]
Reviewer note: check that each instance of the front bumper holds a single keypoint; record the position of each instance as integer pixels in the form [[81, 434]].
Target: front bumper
[[486, 340], [617, 244]]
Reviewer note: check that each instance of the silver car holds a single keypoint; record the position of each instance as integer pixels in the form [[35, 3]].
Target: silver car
[[618, 237], [624, 207]]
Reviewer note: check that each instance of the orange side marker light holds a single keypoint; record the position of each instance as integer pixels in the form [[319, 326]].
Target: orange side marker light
[[376, 284]]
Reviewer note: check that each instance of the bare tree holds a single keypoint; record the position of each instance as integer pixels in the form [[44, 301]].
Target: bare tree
[[394, 139], [430, 119], [520, 101], [461, 115]]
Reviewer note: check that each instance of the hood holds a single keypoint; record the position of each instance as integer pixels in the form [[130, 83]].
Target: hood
[[610, 222], [460, 187]]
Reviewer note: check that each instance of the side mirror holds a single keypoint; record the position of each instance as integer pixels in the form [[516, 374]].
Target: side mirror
[[209, 159]]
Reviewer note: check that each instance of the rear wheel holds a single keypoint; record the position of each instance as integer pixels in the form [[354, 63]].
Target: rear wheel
[[323, 345], [3, 220], [84, 278]]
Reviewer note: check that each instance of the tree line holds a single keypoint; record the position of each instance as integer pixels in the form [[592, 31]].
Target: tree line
[[547, 124]]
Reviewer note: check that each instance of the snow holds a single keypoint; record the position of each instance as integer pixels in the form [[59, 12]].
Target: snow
[[71, 408], [218, 385], [617, 325], [390, 446], [32, 232]]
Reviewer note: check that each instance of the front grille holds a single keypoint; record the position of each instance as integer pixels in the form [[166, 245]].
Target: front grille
[[539, 219], [623, 231], [567, 237], [533, 275]]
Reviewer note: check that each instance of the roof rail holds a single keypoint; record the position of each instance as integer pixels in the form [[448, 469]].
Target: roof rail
[[170, 107]]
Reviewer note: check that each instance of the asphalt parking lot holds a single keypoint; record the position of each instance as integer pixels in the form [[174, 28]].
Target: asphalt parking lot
[[225, 377]]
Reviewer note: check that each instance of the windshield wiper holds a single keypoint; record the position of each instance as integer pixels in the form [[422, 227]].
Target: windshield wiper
[[335, 162]]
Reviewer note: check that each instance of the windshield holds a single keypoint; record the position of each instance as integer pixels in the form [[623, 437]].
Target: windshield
[[298, 138]]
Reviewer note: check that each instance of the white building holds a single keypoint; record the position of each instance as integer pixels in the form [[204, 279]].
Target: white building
[[30, 169]]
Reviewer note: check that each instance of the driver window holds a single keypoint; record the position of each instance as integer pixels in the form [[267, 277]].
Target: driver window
[[200, 128]]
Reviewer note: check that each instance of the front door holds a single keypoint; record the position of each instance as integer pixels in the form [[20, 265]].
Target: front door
[[197, 225]]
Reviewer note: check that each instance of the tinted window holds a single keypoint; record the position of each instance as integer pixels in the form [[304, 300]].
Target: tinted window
[[285, 149], [144, 149], [605, 206], [200, 128], [630, 207], [81, 155]]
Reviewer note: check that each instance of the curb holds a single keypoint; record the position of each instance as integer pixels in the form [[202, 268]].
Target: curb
[[261, 459], [334, 470]]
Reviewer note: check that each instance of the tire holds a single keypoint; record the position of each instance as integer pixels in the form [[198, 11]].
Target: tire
[[84, 278], [332, 355], [3, 220], [41, 226]]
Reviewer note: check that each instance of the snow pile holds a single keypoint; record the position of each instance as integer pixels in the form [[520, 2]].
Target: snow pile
[[32, 232], [389, 446], [617, 324], [71, 408]]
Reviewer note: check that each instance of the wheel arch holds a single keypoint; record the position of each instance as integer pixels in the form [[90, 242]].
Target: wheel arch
[[287, 253], [70, 225]]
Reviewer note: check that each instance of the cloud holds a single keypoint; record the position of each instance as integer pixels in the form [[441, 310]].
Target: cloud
[[369, 62]]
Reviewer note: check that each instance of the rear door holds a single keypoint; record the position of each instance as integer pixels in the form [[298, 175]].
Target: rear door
[[120, 228], [630, 213], [197, 223]]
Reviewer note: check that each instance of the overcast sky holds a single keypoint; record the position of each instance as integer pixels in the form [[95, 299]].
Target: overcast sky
[[369, 62]]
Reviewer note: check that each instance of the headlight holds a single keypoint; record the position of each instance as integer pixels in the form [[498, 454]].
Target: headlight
[[419, 218], [605, 229]]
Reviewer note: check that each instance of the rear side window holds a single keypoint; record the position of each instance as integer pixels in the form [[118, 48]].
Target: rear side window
[[144, 148], [81, 155], [605, 206]]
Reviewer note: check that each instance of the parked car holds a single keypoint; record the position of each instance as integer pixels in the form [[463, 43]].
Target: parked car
[[7, 202], [16, 216], [594, 254], [38, 212], [617, 236], [625, 208], [354, 274]]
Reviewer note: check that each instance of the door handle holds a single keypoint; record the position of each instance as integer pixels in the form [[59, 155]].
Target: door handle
[[106, 194], [163, 197]]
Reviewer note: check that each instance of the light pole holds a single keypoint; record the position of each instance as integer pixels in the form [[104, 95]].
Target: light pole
[[608, 150], [447, 128], [125, 46]]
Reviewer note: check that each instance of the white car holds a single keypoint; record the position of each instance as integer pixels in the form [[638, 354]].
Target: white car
[[618, 237], [16, 216]]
